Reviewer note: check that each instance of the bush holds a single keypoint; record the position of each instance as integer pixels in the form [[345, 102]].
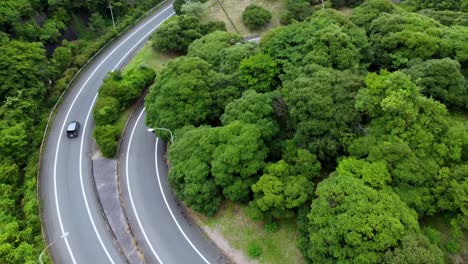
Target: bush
[[107, 139], [255, 17], [133, 84], [106, 110], [271, 227], [453, 246], [254, 250]]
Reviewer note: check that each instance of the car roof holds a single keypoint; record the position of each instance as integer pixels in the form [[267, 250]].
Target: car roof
[[72, 126]]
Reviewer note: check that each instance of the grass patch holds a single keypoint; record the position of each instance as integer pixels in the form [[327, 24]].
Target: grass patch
[[150, 58], [250, 237], [234, 8]]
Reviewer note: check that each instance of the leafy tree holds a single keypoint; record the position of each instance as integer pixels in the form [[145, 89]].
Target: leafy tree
[[327, 38], [253, 108], [397, 38], [237, 159], [375, 174], [63, 57], [209, 47], [255, 16], [176, 34], [297, 10], [415, 248], [232, 56], [419, 142], [193, 8], [442, 80], [22, 68], [455, 5], [14, 141], [184, 94], [454, 44], [258, 72], [364, 14], [190, 174], [351, 222], [97, 23], [447, 17], [321, 106], [50, 31], [280, 190]]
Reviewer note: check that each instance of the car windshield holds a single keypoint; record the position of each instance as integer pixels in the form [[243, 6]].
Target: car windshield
[[71, 126]]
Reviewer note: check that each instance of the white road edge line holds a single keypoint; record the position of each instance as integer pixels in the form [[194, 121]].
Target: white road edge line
[[130, 190], [141, 40], [82, 185], [167, 204], [63, 127]]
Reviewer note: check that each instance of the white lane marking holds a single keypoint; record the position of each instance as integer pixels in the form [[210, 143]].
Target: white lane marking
[[167, 204], [142, 39], [130, 190], [66, 118], [82, 185]]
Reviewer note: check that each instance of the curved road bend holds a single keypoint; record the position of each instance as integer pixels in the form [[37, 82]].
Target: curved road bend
[[67, 193], [162, 232]]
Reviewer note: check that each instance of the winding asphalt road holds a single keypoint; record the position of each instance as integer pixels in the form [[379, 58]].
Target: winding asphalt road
[[158, 222], [67, 193]]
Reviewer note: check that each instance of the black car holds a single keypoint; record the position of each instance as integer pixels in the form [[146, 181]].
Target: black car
[[72, 129]]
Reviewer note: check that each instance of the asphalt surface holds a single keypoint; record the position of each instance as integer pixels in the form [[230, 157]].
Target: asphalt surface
[[158, 222], [67, 193]]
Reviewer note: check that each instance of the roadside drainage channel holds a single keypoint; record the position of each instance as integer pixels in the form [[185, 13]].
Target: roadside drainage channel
[[105, 177]]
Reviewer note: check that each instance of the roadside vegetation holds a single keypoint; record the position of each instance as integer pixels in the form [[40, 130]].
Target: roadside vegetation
[[346, 125], [42, 46]]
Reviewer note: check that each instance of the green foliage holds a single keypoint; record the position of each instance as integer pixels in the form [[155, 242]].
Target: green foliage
[[253, 108], [106, 137], [447, 17], [455, 5], [63, 57], [106, 111], [453, 246], [442, 80], [415, 248], [22, 69], [232, 56], [210, 164], [280, 190], [254, 250], [327, 38], [209, 47], [297, 10], [417, 139], [271, 227], [176, 34], [255, 16], [364, 14], [258, 72], [397, 38], [187, 92], [321, 105], [193, 8], [351, 222]]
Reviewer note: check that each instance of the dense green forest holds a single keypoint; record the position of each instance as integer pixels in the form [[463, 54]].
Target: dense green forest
[[42, 45], [354, 126]]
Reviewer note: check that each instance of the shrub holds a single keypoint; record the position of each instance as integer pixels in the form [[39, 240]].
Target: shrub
[[271, 227], [133, 84], [254, 250], [107, 138], [453, 246], [255, 17], [106, 110]]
